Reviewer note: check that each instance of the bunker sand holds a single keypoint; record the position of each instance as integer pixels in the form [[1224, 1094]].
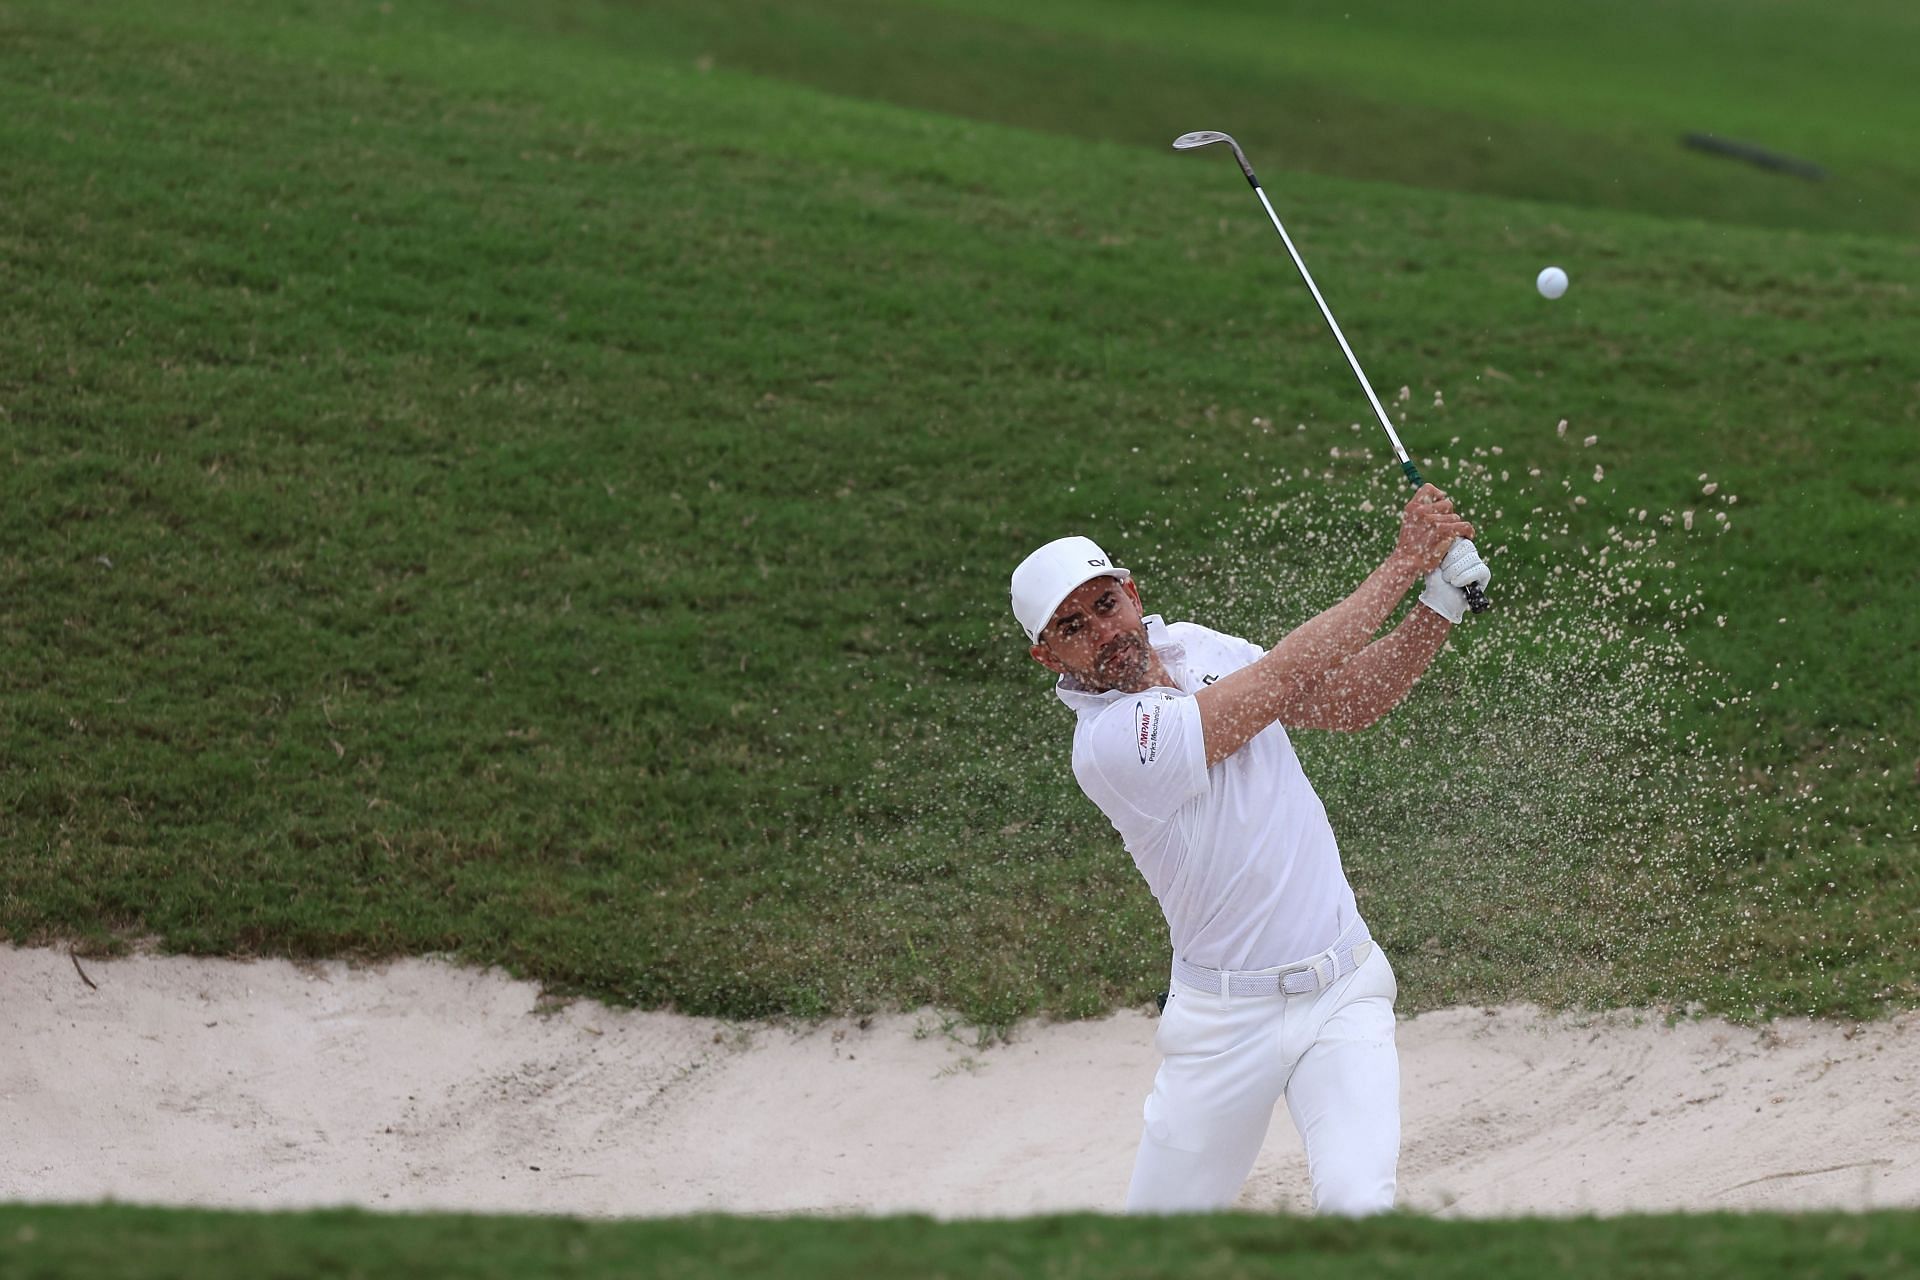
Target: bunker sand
[[423, 1085]]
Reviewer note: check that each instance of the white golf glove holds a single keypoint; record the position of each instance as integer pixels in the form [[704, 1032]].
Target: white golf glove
[[1463, 566], [1445, 599], [1445, 591]]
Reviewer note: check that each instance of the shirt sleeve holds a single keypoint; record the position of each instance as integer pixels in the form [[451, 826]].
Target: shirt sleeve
[[1143, 757]]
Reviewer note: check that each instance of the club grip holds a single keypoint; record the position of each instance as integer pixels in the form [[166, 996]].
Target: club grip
[[1476, 598]]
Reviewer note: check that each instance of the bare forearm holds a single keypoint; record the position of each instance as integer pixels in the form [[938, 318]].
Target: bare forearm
[[1373, 681], [1297, 672], [1339, 634], [1250, 699]]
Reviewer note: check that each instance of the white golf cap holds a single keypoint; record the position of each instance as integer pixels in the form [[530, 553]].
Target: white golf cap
[[1049, 576]]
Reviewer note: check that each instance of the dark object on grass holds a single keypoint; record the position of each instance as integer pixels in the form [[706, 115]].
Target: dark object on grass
[[1755, 155]]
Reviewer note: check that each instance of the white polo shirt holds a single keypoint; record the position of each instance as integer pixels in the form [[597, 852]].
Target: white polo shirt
[[1239, 855]]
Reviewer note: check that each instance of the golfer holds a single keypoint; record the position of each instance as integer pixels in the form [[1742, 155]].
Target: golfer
[[1276, 989]]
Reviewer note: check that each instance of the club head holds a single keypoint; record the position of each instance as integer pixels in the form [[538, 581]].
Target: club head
[[1200, 138], [1206, 138]]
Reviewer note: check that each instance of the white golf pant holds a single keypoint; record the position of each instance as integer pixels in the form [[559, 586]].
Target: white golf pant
[[1227, 1061]]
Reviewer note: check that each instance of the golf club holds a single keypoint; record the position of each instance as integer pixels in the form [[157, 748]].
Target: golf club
[[1476, 598]]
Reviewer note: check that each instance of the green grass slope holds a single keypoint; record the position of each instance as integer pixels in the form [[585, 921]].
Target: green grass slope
[[483, 483], [1569, 104], [117, 1243]]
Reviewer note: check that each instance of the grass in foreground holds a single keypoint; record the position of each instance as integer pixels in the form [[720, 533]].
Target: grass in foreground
[[112, 1243], [500, 490]]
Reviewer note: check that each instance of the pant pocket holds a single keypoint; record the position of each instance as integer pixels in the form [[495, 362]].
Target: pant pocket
[[1375, 978], [1393, 980], [1167, 1035], [1200, 1024], [1175, 1120]]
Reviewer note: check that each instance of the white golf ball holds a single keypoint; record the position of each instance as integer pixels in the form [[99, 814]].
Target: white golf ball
[[1551, 283]]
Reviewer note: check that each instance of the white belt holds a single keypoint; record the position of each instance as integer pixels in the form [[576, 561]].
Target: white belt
[[1315, 973]]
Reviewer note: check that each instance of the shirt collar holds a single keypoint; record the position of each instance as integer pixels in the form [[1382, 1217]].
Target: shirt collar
[[1171, 653]]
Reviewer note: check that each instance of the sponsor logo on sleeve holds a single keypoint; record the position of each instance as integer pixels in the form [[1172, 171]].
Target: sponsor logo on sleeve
[[1146, 728]]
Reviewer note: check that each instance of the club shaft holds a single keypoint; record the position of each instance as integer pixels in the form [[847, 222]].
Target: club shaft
[[1476, 598], [1399, 450]]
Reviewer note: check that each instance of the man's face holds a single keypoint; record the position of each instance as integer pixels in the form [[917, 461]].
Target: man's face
[[1097, 637]]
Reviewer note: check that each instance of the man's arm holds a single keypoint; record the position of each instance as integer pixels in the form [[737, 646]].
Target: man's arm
[[1372, 682], [1236, 708]]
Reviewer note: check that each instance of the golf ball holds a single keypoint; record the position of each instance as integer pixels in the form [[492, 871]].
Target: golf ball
[[1551, 283]]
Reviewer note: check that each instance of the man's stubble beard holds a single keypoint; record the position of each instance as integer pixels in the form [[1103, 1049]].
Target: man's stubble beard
[[1128, 678]]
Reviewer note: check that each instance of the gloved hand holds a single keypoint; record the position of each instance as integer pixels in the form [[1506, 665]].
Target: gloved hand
[[1463, 566], [1445, 599], [1445, 592]]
